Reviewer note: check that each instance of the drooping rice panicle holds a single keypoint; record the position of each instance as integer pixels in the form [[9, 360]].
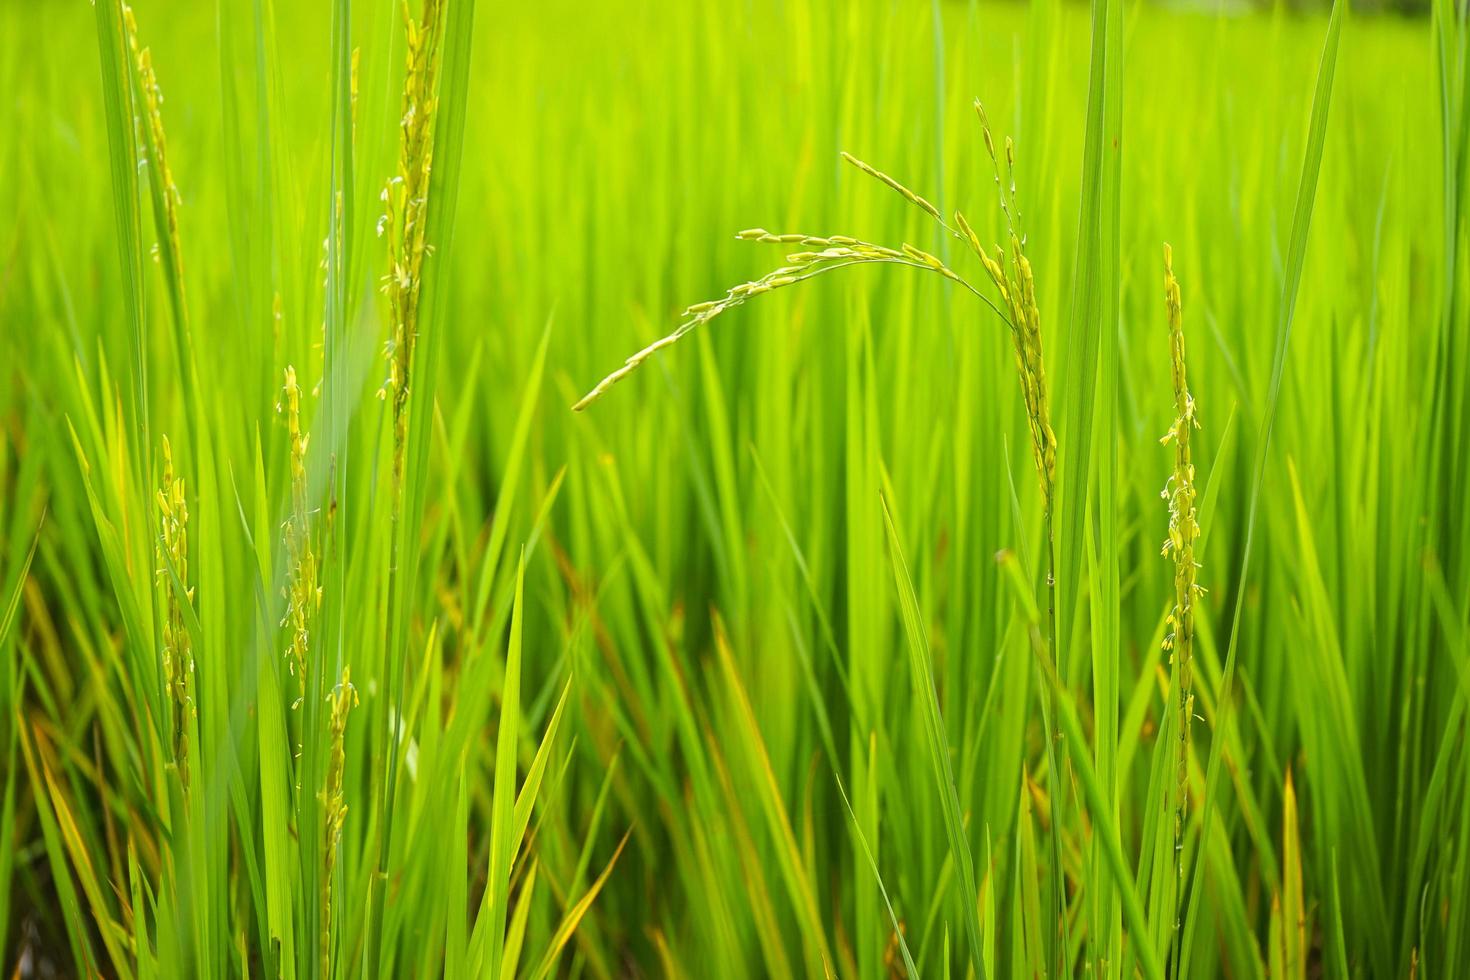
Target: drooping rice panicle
[[831, 252], [173, 562], [1016, 287]]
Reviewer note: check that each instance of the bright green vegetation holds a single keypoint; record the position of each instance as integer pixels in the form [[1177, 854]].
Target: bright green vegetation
[[752, 667]]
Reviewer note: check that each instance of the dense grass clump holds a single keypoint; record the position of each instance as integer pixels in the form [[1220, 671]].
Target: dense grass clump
[[835, 639]]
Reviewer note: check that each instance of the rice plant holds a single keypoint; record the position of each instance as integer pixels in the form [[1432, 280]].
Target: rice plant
[[831, 637]]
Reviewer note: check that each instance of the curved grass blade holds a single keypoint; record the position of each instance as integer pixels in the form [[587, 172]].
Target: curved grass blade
[[936, 741]]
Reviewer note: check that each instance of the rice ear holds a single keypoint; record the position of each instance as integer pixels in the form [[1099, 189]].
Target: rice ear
[[406, 208], [1180, 493]]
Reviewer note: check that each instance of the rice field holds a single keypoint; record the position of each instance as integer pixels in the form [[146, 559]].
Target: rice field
[[1036, 547]]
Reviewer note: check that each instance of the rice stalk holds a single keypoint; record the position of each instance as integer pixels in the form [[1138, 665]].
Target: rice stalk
[[1008, 269], [1010, 272], [405, 223], [1180, 493]]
